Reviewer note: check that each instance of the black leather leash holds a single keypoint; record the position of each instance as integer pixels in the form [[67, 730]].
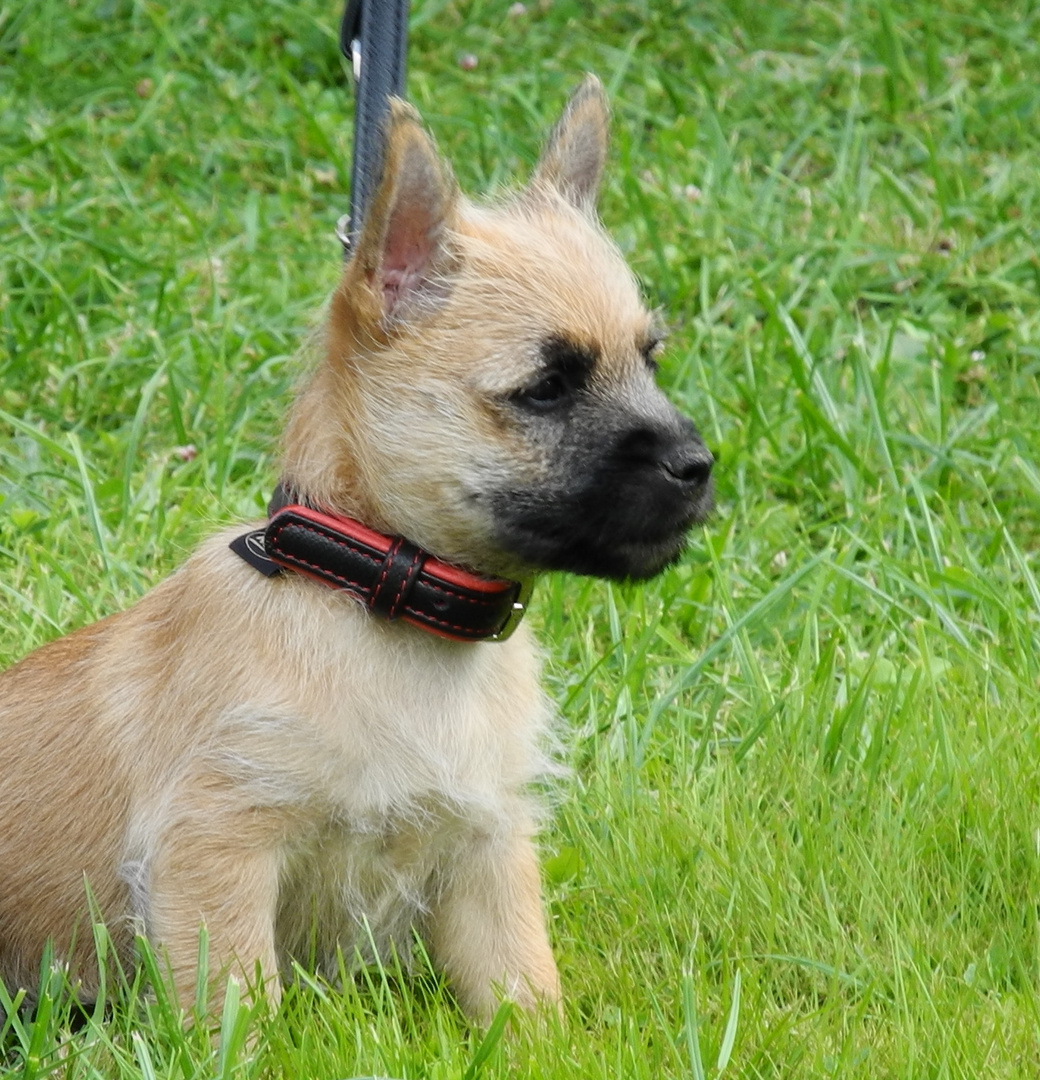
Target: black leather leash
[[374, 37]]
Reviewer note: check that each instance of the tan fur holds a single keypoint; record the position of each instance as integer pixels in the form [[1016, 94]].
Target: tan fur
[[262, 756]]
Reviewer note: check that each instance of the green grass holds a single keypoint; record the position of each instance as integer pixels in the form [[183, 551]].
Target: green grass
[[801, 836]]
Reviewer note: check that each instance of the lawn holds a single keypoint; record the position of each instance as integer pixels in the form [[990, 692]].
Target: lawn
[[799, 834]]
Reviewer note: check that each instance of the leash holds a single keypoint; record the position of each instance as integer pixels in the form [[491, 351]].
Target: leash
[[374, 37]]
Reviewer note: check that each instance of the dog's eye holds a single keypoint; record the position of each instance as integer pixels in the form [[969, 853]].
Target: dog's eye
[[552, 390], [566, 368]]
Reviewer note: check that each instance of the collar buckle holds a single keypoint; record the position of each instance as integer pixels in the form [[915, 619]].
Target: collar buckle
[[516, 613]]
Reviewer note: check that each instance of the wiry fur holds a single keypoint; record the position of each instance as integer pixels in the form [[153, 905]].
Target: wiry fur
[[262, 755]]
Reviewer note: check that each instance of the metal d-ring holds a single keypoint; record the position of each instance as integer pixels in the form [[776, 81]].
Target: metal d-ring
[[343, 232]]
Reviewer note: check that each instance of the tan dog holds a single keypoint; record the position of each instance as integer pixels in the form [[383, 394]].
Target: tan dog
[[267, 757]]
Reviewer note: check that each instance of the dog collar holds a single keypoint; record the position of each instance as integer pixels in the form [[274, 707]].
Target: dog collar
[[392, 576]]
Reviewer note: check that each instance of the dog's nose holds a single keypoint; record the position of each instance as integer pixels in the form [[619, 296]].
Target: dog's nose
[[689, 463]]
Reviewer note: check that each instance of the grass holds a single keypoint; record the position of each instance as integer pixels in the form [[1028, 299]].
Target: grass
[[801, 835]]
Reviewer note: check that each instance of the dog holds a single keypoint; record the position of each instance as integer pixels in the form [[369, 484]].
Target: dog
[[306, 765]]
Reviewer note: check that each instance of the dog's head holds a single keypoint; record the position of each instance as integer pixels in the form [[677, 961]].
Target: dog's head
[[488, 389]]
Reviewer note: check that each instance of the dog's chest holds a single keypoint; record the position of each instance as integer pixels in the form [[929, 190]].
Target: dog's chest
[[402, 761], [382, 721]]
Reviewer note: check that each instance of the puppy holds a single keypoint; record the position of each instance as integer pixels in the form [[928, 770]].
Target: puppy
[[305, 759]]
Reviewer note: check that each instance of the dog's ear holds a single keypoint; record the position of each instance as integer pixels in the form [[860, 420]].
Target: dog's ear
[[404, 251], [576, 152]]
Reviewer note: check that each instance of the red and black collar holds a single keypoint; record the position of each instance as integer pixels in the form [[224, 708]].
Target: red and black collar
[[393, 577]]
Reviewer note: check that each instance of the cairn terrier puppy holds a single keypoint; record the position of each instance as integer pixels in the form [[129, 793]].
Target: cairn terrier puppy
[[320, 736]]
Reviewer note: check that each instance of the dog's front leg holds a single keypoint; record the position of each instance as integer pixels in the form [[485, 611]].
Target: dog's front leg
[[487, 927], [218, 869]]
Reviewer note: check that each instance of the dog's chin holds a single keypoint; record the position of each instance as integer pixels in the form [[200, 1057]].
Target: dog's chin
[[619, 550], [631, 561]]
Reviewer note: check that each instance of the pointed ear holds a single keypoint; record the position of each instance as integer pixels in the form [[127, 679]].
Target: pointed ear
[[404, 251], [573, 159]]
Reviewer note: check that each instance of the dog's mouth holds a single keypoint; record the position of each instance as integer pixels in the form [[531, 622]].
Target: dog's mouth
[[630, 531]]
